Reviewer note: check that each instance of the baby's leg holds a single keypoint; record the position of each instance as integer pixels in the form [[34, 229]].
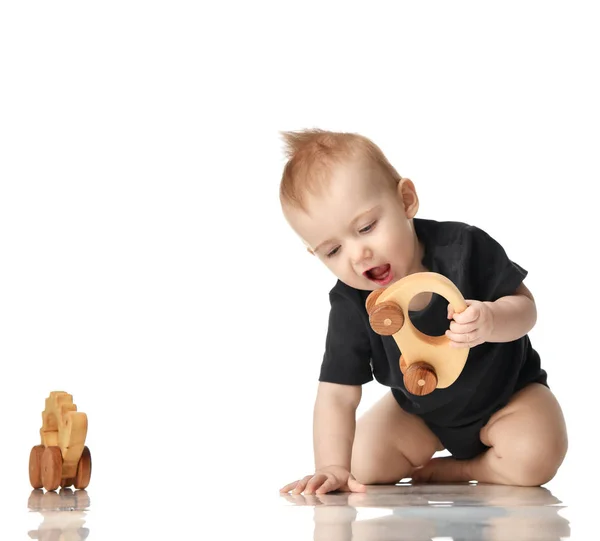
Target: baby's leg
[[528, 440], [389, 443]]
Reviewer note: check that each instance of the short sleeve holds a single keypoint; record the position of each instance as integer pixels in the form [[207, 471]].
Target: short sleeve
[[347, 356], [493, 273]]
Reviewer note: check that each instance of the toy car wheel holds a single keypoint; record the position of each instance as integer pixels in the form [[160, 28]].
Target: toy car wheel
[[372, 299], [386, 318], [420, 378], [35, 466], [51, 468], [84, 469], [66, 483]]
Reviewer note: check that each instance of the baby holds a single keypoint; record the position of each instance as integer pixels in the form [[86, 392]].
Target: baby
[[499, 421]]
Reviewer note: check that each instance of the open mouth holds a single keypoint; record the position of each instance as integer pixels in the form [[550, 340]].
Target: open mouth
[[381, 275]]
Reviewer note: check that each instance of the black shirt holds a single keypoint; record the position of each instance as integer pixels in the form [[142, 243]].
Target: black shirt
[[481, 270]]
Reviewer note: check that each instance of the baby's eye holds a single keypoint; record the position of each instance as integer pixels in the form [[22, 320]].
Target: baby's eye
[[368, 228], [333, 252]]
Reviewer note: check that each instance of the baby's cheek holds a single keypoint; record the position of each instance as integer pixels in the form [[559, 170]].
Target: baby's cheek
[[396, 242]]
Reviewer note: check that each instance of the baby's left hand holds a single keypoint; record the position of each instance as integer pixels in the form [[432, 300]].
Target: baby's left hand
[[471, 327]]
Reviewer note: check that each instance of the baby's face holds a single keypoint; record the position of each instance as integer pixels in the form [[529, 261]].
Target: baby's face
[[360, 227]]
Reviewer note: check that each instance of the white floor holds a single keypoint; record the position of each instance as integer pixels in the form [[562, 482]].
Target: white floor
[[420, 512], [465, 512]]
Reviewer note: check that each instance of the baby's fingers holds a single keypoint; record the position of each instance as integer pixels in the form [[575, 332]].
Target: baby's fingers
[[464, 340], [288, 487], [301, 485], [355, 486], [460, 328], [297, 486], [315, 482], [450, 311], [330, 484]]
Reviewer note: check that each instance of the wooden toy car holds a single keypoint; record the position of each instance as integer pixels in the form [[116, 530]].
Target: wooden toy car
[[427, 362], [62, 459]]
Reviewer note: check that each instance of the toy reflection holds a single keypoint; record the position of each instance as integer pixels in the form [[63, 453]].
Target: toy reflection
[[63, 513], [466, 512]]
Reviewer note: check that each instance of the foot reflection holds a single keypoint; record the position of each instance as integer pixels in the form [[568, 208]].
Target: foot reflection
[[423, 512], [63, 514]]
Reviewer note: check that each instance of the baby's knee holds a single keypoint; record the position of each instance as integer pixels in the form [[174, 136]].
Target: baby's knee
[[371, 473], [371, 466], [527, 461]]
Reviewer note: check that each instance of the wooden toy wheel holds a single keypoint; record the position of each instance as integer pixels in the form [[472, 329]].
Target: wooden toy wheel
[[386, 318], [66, 483], [84, 469], [51, 468], [420, 378], [372, 298], [35, 466]]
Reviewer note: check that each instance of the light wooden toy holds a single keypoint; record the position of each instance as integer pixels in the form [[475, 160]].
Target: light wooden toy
[[62, 459], [427, 362]]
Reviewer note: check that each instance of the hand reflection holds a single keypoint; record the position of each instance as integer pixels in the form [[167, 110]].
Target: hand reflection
[[63, 514], [415, 512]]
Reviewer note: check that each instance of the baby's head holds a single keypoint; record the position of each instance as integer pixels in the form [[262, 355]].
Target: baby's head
[[350, 207]]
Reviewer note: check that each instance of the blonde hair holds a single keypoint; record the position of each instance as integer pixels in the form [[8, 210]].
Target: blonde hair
[[311, 155]]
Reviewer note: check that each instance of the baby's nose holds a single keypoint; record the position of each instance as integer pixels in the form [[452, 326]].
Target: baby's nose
[[361, 253]]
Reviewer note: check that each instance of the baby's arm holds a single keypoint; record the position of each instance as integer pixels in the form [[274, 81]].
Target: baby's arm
[[513, 316], [333, 434], [334, 424], [504, 320]]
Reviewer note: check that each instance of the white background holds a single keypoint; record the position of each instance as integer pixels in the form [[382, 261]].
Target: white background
[[145, 266]]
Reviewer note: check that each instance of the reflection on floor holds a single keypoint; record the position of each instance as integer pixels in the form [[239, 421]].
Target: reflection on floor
[[424, 512], [384, 513], [63, 514]]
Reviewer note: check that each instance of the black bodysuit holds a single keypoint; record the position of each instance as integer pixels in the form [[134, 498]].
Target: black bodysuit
[[481, 270]]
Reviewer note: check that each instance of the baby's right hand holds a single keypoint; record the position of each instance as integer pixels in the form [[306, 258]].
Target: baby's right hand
[[326, 480]]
